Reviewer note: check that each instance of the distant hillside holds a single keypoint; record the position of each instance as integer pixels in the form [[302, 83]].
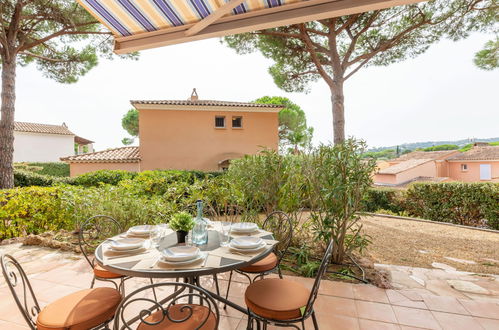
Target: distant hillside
[[422, 145]]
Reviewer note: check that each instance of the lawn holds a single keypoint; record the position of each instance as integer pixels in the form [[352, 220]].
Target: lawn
[[419, 244]]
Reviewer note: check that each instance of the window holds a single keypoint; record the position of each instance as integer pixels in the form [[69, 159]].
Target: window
[[464, 167], [237, 122], [220, 122]]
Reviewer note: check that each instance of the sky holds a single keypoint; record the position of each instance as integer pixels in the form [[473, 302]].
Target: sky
[[439, 95]]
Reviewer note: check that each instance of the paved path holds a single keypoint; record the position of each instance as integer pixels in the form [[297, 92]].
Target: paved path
[[339, 306]]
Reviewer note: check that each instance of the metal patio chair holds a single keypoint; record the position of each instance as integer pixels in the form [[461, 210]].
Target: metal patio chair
[[84, 309], [284, 302], [281, 226], [180, 306]]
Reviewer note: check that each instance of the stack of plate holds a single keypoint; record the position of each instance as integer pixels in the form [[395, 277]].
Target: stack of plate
[[127, 245], [244, 227], [140, 231], [181, 255], [247, 244]]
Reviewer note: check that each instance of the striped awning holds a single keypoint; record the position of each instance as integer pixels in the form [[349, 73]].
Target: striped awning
[[142, 24]]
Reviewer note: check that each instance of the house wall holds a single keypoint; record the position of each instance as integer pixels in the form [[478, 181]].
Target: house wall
[[80, 168], [473, 173], [442, 168], [188, 139], [37, 147], [427, 170], [385, 178]]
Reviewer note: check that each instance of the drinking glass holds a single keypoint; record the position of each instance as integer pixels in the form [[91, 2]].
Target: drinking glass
[[155, 236], [224, 233]]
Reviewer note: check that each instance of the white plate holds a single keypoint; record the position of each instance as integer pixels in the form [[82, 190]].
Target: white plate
[[143, 230], [180, 263], [125, 252], [180, 253], [258, 248], [246, 242], [126, 244], [244, 227]]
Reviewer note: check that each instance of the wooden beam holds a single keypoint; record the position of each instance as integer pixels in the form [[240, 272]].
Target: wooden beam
[[210, 19], [305, 11]]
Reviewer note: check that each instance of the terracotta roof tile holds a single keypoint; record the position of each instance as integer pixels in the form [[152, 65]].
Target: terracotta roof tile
[[208, 103], [41, 128], [116, 155], [425, 155], [403, 166], [478, 153]]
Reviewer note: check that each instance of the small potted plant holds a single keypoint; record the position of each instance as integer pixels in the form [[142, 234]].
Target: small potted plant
[[181, 222]]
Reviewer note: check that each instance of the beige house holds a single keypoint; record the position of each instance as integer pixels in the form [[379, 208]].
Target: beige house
[[481, 163], [34, 142], [189, 135]]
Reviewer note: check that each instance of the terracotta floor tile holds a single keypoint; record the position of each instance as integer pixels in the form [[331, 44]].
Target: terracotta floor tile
[[336, 322], [369, 293], [488, 324], [375, 311], [405, 327], [328, 305], [481, 309], [337, 289], [228, 323], [55, 292], [450, 321], [399, 299], [415, 317], [444, 304], [12, 326], [375, 325]]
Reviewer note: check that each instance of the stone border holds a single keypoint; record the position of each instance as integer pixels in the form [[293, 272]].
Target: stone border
[[431, 221]]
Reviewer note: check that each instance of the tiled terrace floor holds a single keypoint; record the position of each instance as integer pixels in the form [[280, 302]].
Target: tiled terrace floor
[[339, 305]]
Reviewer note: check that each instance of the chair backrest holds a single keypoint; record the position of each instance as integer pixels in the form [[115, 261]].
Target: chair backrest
[[320, 273], [21, 289], [280, 224], [176, 303], [94, 231]]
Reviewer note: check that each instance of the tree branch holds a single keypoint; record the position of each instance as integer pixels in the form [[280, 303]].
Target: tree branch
[[313, 55], [49, 59], [58, 34]]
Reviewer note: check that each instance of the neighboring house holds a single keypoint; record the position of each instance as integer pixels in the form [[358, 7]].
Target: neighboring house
[[124, 158], [481, 163], [35, 142], [194, 135]]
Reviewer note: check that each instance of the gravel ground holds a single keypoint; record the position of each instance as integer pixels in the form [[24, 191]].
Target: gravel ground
[[419, 244]]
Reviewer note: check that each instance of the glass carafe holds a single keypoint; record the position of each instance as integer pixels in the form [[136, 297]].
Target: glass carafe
[[200, 230]]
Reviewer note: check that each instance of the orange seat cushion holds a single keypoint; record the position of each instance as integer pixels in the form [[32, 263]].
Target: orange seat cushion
[[200, 313], [266, 264], [276, 299], [104, 273], [83, 309]]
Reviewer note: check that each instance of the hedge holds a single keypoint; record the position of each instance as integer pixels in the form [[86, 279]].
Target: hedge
[[383, 199], [24, 178], [58, 169], [470, 204]]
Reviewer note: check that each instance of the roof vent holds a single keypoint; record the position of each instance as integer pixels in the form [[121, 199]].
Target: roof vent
[[194, 95]]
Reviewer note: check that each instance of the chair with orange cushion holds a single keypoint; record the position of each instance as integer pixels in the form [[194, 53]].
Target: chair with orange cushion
[[181, 306], [92, 232], [281, 226], [284, 302], [84, 309]]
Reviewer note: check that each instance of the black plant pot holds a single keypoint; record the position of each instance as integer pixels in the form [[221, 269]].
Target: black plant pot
[[181, 236]]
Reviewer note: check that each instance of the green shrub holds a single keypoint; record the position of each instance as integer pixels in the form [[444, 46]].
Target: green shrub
[[442, 147], [58, 169], [382, 198], [471, 204], [97, 178], [32, 210], [23, 178]]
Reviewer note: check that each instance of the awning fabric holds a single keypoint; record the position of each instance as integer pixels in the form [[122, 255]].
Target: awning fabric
[[143, 24], [128, 17]]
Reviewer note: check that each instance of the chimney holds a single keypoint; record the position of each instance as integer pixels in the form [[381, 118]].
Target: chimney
[[194, 95]]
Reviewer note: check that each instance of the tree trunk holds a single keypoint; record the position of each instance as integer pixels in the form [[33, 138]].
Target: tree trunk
[[337, 100], [7, 123]]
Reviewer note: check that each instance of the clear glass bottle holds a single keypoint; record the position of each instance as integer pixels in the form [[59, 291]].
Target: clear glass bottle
[[200, 230]]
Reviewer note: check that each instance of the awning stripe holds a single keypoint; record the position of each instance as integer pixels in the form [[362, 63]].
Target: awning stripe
[[168, 12], [107, 17], [137, 15], [200, 7]]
